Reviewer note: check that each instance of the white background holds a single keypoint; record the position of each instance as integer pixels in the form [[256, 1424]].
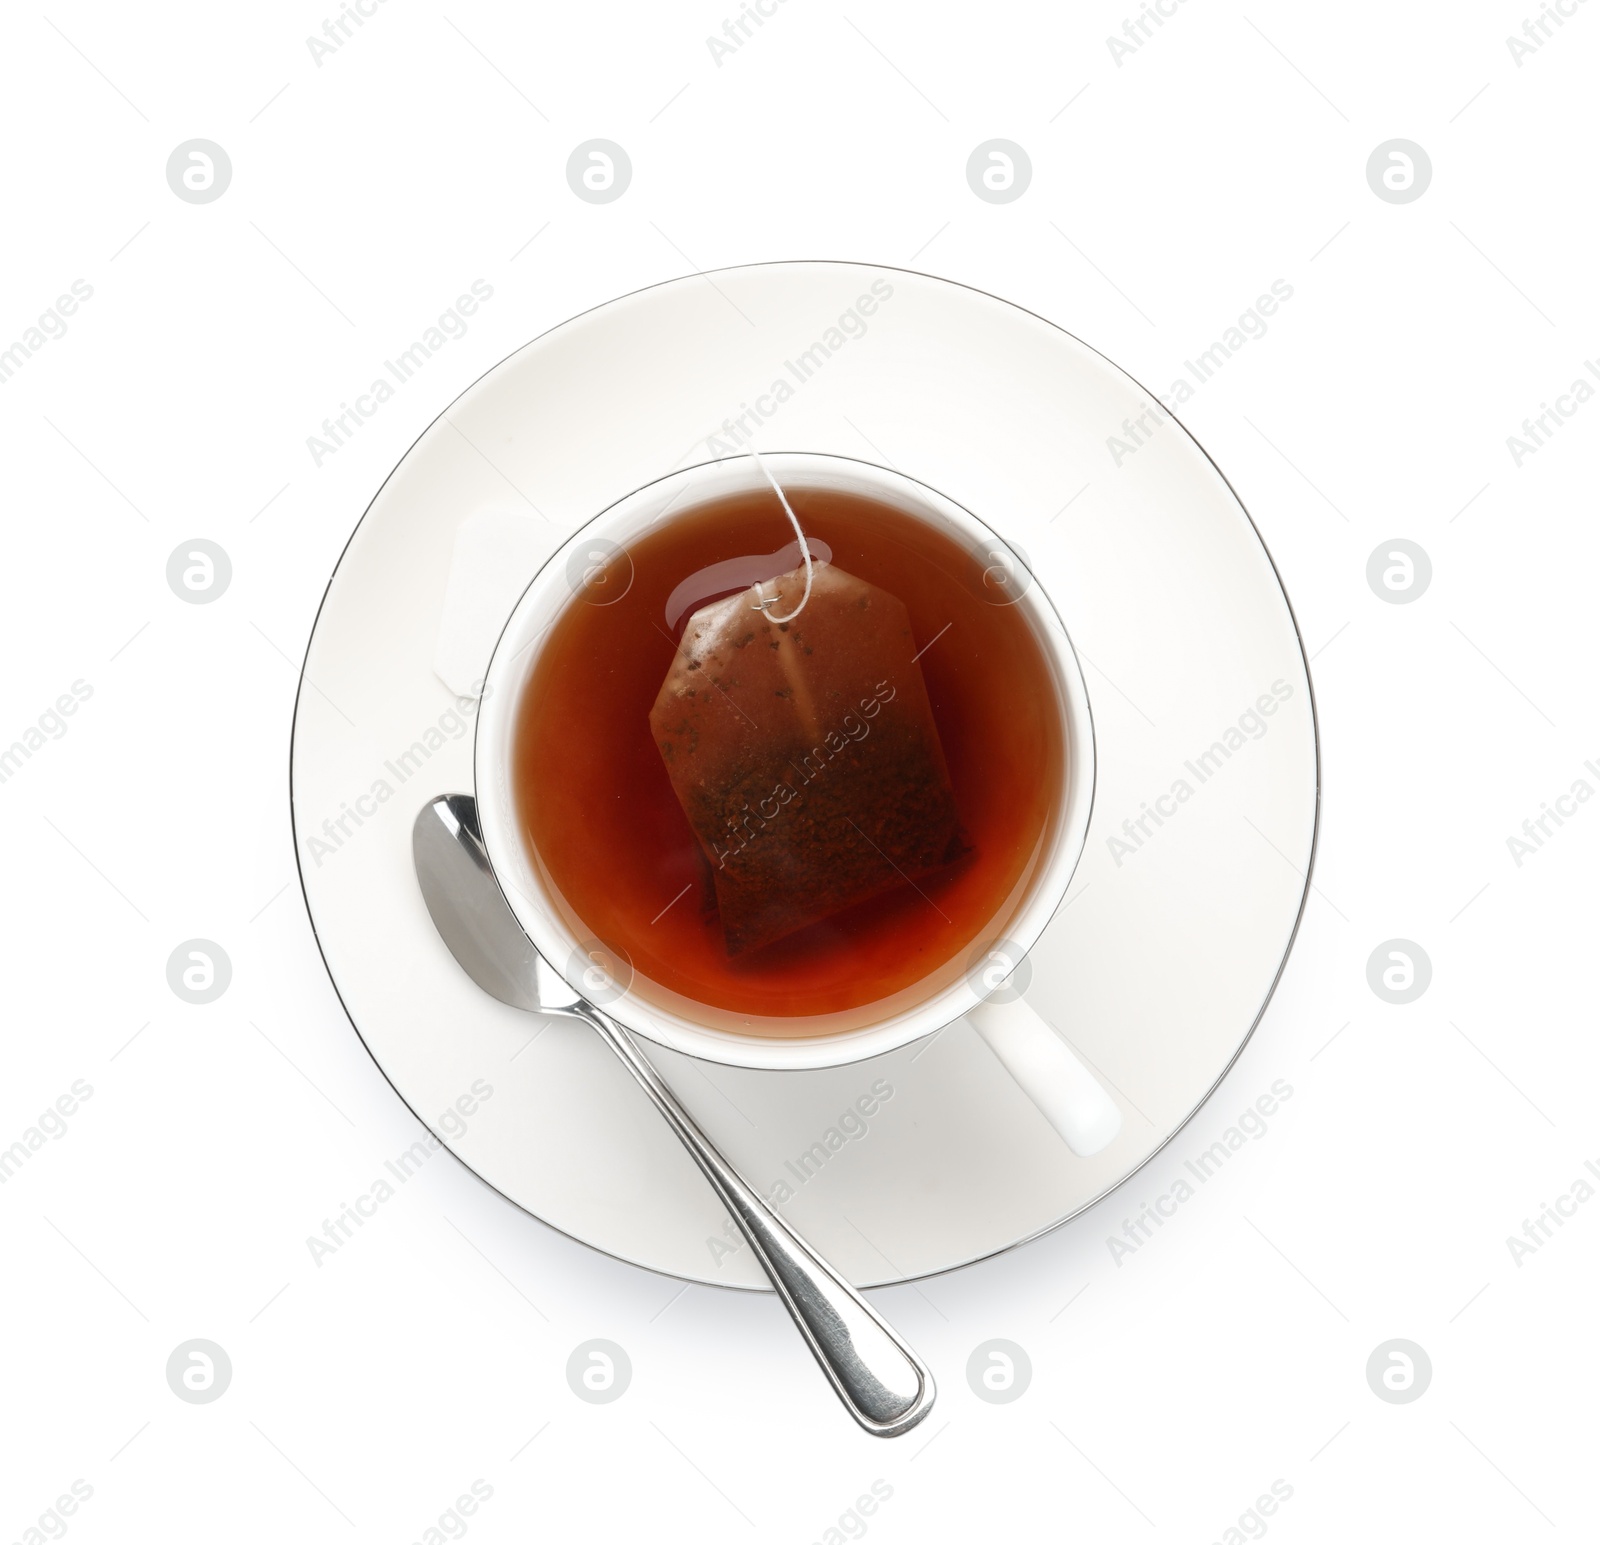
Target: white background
[[1168, 1392]]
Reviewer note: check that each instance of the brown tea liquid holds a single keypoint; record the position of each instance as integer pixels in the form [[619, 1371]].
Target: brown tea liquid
[[596, 805]]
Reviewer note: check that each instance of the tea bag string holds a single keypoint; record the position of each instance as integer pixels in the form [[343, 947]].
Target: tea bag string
[[764, 602]]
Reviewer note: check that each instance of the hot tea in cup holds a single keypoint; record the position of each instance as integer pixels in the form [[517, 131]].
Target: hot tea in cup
[[788, 822]]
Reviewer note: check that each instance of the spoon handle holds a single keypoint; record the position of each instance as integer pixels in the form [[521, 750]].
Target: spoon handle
[[882, 1382]]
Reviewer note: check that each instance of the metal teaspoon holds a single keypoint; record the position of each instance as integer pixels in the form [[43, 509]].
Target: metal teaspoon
[[884, 1385]]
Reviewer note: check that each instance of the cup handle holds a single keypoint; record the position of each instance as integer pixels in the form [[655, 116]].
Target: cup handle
[[1066, 1092]]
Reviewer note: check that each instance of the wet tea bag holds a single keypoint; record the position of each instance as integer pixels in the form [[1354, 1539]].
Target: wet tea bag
[[795, 728]]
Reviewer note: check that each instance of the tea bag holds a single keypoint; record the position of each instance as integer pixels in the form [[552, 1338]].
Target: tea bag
[[804, 752]]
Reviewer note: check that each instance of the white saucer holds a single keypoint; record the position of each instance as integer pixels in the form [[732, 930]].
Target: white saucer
[[1156, 969]]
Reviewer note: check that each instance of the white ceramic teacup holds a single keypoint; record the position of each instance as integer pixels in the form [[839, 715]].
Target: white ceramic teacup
[[985, 986]]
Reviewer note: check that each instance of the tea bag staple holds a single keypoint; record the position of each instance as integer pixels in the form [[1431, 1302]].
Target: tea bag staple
[[804, 753]]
